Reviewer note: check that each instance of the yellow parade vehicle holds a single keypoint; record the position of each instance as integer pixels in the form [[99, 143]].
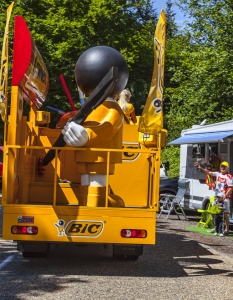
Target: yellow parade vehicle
[[45, 197]]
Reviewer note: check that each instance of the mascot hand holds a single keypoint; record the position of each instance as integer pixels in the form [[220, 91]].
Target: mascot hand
[[74, 135]]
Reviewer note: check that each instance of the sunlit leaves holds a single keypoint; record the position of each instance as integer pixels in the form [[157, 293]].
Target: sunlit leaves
[[64, 29]]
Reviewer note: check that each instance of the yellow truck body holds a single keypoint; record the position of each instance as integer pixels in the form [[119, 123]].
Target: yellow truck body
[[41, 208]]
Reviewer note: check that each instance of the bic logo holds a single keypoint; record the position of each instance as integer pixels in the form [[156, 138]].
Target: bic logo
[[130, 156], [84, 228]]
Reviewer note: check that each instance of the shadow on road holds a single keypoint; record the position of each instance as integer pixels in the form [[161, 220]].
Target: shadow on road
[[173, 256]]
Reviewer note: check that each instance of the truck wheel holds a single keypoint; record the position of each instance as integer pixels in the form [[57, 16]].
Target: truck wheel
[[132, 257], [43, 254], [28, 254], [118, 257]]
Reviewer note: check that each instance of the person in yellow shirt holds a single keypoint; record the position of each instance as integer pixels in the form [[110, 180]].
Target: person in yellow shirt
[[126, 106]]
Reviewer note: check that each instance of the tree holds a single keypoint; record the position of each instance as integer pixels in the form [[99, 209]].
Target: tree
[[64, 29], [172, 154], [199, 74], [171, 29], [170, 54], [204, 75]]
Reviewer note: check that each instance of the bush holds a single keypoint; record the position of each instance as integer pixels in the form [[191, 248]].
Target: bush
[[172, 154]]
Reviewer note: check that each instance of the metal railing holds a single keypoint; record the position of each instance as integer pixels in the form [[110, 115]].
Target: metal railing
[[10, 149]]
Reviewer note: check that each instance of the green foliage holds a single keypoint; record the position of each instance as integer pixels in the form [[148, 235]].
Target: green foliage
[[198, 57], [201, 83], [171, 28], [172, 154], [64, 29], [199, 63]]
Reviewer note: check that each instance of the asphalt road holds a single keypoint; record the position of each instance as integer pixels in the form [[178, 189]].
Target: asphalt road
[[177, 267]]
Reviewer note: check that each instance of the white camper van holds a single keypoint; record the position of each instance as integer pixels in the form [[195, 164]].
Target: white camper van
[[209, 145]]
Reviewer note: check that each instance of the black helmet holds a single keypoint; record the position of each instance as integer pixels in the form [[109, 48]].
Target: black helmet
[[94, 64]]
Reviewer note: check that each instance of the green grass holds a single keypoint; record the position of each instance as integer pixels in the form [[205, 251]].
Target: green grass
[[202, 230]]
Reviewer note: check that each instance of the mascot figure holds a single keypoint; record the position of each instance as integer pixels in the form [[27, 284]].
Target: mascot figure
[[101, 129]]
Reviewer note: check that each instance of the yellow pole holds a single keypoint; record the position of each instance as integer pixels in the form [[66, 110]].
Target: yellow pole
[[4, 69], [107, 179]]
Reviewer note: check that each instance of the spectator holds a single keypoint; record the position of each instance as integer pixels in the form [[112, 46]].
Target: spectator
[[126, 106], [223, 185], [218, 220]]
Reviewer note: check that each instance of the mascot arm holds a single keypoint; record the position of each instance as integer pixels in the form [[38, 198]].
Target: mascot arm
[[74, 135]]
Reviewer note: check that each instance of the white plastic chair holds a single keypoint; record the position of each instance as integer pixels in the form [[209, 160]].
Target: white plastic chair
[[171, 203]]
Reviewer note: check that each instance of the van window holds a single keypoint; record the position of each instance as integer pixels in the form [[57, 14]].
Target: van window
[[213, 147], [214, 160], [198, 151], [195, 152], [206, 155]]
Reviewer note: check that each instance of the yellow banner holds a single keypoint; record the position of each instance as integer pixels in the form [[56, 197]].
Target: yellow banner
[[151, 121], [4, 68]]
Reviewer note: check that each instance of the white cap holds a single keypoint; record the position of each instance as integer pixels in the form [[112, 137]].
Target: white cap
[[220, 195]]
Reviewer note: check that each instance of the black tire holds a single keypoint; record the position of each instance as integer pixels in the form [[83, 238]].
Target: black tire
[[132, 257], [43, 254], [28, 254], [118, 257], [35, 254], [206, 205]]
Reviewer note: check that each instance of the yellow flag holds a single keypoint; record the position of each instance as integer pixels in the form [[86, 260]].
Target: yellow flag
[[4, 68], [151, 121]]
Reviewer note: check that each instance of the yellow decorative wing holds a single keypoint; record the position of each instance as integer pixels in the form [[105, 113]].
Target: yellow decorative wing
[[151, 121]]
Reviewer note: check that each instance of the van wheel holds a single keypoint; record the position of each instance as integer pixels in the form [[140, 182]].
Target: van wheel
[[206, 205]]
